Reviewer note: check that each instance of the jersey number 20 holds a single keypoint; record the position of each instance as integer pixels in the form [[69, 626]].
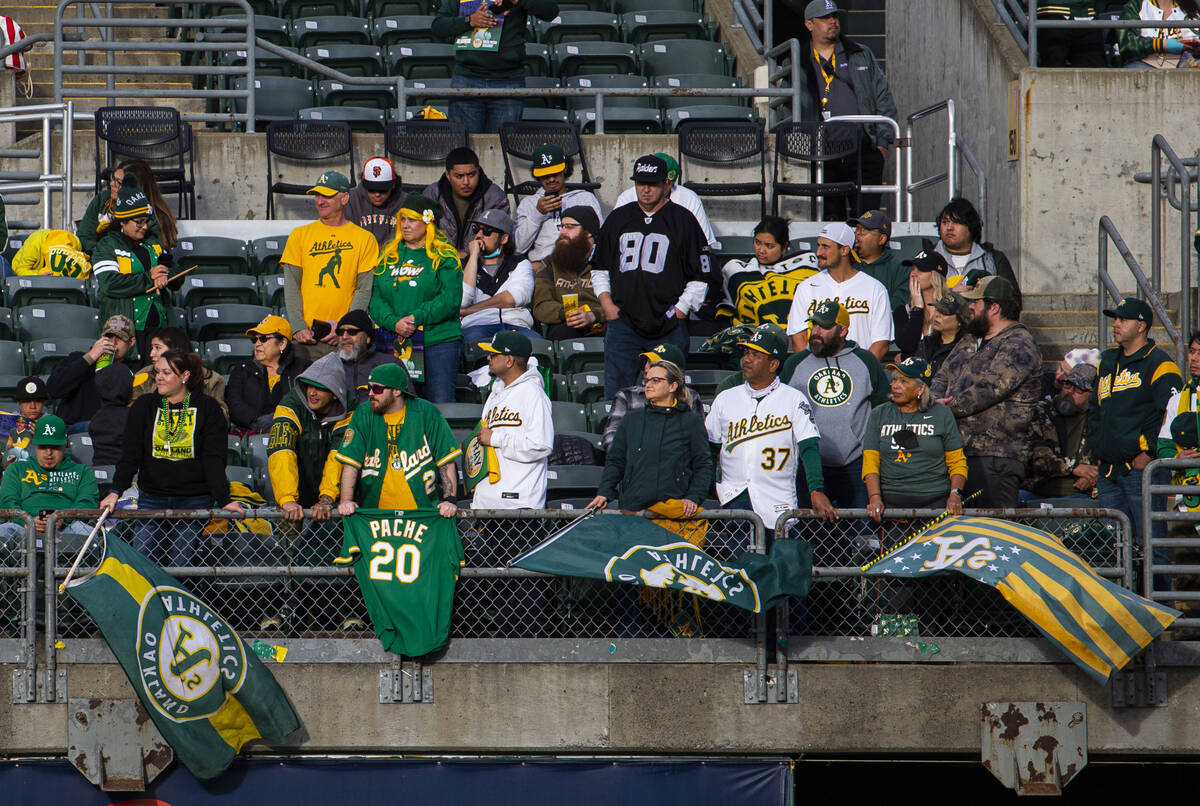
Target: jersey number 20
[[407, 559], [647, 252]]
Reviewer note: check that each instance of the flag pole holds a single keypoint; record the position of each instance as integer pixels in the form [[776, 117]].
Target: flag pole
[[86, 544]]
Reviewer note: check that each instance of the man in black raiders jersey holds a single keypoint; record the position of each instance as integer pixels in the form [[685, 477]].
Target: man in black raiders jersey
[[650, 270]]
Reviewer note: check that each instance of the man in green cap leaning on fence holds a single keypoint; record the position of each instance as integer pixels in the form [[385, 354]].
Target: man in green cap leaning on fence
[[45, 482]]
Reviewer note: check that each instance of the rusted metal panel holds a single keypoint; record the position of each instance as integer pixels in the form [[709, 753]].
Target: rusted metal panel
[[1035, 748], [115, 745]]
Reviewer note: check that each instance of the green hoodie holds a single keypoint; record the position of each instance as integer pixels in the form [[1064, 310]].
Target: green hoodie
[[27, 486]]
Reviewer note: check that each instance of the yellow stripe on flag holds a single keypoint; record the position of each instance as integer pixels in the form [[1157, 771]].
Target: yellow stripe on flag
[[1097, 633], [233, 724], [1031, 605], [127, 577]]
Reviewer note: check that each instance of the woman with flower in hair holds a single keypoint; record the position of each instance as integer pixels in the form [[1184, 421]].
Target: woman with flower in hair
[[418, 291]]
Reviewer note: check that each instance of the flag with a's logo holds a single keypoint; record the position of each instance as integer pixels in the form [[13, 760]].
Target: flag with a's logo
[[633, 550], [206, 691], [1098, 624]]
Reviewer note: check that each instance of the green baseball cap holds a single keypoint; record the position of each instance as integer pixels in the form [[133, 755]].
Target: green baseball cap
[[393, 376], [913, 367], [330, 183], [672, 165], [508, 342], [664, 352], [1132, 308], [765, 341], [548, 159], [49, 430], [829, 313]]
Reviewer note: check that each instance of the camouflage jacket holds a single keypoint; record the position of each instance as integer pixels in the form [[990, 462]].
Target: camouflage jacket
[[1052, 456], [994, 386]]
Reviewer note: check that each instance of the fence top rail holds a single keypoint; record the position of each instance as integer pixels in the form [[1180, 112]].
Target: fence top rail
[[271, 513], [1007, 513]]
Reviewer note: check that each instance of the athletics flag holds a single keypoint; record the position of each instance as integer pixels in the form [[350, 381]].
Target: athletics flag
[[206, 691], [1098, 624], [624, 548]]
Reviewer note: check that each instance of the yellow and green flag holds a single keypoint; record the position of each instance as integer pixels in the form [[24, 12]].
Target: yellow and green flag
[[206, 691], [1098, 624]]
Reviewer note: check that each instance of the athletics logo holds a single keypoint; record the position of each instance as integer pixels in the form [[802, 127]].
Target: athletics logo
[[188, 657], [682, 566], [830, 386]]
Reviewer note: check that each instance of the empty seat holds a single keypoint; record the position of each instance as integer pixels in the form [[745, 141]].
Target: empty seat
[[421, 144], [212, 254], [594, 57], [724, 150], [597, 413], [275, 97], [266, 63], [330, 30], [214, 321], [223, 354], [698, 81], [708, 112], [402, 28], [420, 60], [519, 140], [218, 288], [266, 253], [8, 330], [576, 355], [573, 480], [80, 448], [587, 387], [270, 290], [579, 26], [424, 92], [51, 321], [385, 8], [255, 449], [537, 59], [706, 381], [45, 353], [353, 60], [234, 454], [543, 102], [568, 416], [338, 93], [273, 29], [358, 118], [461, 415], [29, 289], [12, 358], [800, 149], [296, 9], [534, 114], [626, 6], [620, 120], [668, 55], [638, 27]]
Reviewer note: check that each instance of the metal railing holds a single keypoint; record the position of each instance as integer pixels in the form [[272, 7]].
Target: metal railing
[[950, 175], [18, 599], [1160, 190], [1107, 290], [47, 180], [1171, 539]]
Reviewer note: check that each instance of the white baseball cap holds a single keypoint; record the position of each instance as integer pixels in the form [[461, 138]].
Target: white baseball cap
[[838, 232], [378, 174]]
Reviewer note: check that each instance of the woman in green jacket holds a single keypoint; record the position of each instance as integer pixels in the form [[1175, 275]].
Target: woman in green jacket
[[418, 287], [98, 217]]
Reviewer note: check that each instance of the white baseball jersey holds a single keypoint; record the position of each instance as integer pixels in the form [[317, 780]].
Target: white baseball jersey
[[758, 446], [863, 297]]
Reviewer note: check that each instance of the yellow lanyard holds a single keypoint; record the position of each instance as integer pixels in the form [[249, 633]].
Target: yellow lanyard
[[827, 76]]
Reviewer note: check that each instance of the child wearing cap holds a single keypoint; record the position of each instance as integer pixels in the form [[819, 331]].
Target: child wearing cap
[[31, 398]]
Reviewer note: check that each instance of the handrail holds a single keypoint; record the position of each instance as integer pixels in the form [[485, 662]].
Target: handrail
[[1107, 231], [980, 177], [950, 175], [775, 72], [1150, 568], [895, 188], [1024, 25], [1159, 147], [48, 181]]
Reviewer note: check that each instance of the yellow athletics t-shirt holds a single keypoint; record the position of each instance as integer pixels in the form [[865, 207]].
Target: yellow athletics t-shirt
[[329, 258]]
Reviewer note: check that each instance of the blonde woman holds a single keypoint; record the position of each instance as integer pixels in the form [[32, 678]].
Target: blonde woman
[[926, 285]]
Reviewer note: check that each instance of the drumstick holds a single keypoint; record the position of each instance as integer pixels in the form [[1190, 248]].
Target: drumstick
[[176, 277]]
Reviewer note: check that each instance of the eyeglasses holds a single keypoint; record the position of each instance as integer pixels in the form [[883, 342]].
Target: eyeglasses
[[140, 223], [375, 388], [258, 338], [348, 331], [648, 381], [486, 232]]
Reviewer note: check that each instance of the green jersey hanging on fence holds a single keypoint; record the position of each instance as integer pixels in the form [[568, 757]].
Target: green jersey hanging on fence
[[406, 564]]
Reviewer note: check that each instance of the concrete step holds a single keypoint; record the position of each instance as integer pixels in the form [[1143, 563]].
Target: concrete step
[[1058, 302]]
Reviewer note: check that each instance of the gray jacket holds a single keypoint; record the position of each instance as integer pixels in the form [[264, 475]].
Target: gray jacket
[[355, 373], [379, 221], [869, 83], [487, 196]]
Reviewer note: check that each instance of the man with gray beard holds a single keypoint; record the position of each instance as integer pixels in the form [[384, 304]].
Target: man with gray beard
[[1060, 464], [356, 352]]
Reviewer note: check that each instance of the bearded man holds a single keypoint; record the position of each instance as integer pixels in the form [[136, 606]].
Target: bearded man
[[563, 298]]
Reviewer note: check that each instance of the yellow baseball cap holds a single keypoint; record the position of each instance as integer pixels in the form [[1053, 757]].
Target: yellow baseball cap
[[272, 325]]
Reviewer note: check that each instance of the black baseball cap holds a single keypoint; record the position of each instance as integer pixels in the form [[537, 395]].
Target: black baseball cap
[[650, 170], [928, 261], [1132, 308]]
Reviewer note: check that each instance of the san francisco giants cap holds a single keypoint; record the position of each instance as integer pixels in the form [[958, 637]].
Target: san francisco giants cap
[[378, 174]]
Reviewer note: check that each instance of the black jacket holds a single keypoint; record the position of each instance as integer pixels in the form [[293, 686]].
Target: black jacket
[[107, 427], [73, 384], [250, 398]]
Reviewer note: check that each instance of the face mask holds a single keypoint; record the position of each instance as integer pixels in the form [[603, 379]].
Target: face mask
[[493, 254]]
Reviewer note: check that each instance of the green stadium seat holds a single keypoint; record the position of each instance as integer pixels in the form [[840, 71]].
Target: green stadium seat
[[80, 448], [297, 9], [559, 388], [534, 114], [360, 118], [572, 480], [542, 82], [275, 97], [579, 26], [353, 60], [30, 289], [45, 353], [568, 416], [386, 8], [734, 247], [698, 81], [212, 254], [217, 288], [700, 360], [666, 56], [337, 93], [234, 454], [245, 475], [638, 27], [217, 321], [585, 5], [420, 60], [597, 413], [908, 246], [257, 6], [58, 320], [576, 355], [461, 415], [270, 291], [265, 253], [223, 354], [580, 58], [537, 59], [586, 387], [8, 329], [10, 383], [402, 28], [266, 63], [255, 449], [620, 120], [706, 381], [626, 6], [674, 117], [273, 29], [330, 30], [423, 92], [12, 358], [618, 81]]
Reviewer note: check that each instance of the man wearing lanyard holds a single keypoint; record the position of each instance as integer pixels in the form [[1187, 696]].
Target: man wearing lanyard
[[843, 78]]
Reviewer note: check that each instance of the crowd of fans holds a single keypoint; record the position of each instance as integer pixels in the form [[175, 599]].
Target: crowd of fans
[[1136, 48]]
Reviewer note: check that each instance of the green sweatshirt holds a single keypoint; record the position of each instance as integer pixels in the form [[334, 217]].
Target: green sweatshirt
[[1127, 406], [407, 283], [26, 486]]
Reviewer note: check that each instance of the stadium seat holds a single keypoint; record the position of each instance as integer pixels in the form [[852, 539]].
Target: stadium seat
[[12, 358], [104, 477], [734, 247], [255, 449], [568, 416], [385, 8], [421, 145], [537, 59], [424, 92], [360, 118], [298, 143], [245, 475], [543, 351], [8, 329], [223, 354], [257, 6], [708, 113], [52, 321], [420, 60], [265, 252], [270, 291], [330, 30], [559, 388], [402, 28], [585, 5], [706, 381], [218, 288], [580, 58], [542, 82], [639, 27], [701, 360], [576, 355], [80, 449], [908, 246], [593, 439], [214, 321], [30, 289], [337, 93], [275, 97], [212, 254], [586, 387], [461, 415], [273, 29], [572, 480], [668, 55], [626, 6], [234, 452], [45, 353], [723, 150], [518, 141], [266, 63], [597, 413], [353, 60], [579, 26], [10, 383], [799, 149], [698, 81], [296, 9], [620, 120], [535, 115]]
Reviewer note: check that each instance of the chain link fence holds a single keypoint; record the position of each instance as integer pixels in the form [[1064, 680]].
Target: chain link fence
[[18, 589], [845, 602], [274, 577]]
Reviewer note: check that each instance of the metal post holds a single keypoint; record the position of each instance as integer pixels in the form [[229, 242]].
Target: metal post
[[795, 49], [952, 150], [68, 163], [45, 172], [1032, 11], [768, 31], [30, 636], [107, 35], [599, 113], [51, 605], [1155, 215], [251, 38], [1102, 275]]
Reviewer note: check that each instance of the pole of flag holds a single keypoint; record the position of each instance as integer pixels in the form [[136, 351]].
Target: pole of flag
[[86, 544]]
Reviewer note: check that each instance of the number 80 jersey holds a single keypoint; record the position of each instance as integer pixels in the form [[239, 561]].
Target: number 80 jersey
[[758, 446]]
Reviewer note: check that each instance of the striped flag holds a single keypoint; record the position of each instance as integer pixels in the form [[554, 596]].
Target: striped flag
[[206, 691], [1098, 624]]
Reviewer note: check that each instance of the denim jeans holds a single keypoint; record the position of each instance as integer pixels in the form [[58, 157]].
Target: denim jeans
[[622, 348], [441, 370], [169, 543], [473, 334], [484, 115]]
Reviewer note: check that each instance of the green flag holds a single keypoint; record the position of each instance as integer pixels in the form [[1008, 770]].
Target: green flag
[[207, 693], [624, 548], [1098, 624]]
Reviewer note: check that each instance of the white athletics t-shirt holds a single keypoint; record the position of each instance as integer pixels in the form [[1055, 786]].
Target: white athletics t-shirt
[[863, 297]]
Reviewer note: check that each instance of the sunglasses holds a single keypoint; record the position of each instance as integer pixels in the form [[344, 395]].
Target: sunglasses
[[348, 331], [375, 388], [259, 339], [486, 232]]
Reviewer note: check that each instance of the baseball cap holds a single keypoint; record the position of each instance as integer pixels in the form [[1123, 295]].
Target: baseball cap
[[1183, 430], [838, 232], [330, 183], [358, 318], [50, 430], [820, 8], [1132, 308], [949, 305], [1082, 376], [829, 313], [672, 165], [393, 376], [378, 174], [270, 326], [913, 367], [496, 219], [650, 170], [928, 261], [664, 352], [508, 342], [32, 388], [992, 287], [875, 220], [119, 326], [548, 159], [764, 341]]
